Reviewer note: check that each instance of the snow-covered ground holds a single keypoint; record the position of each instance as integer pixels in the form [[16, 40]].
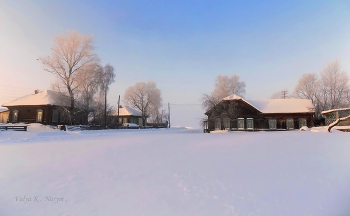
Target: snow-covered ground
[[174, 172]]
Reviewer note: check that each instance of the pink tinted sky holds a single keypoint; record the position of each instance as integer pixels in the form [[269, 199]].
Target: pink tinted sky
[[182, 45]]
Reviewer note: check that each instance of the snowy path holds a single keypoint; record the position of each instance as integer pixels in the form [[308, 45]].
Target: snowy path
[[174, 172]]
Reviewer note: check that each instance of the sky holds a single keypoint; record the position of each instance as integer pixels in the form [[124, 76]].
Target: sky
[[181, 45]]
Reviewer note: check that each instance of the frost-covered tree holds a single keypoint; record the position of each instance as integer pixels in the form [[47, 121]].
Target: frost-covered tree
[[309, 87], [107, 78], [71, 53], [144, 96], [224, 86], [334, 86], [330, 91], [90, 81]]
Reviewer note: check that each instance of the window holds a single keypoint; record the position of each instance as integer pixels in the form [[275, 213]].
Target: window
[[272, 124], [302, 122], [218, 124], [227, 123], [290, 124], [54, 116], [240, 124], [15, 116], [62, 117], [39, 115], [250, 124]]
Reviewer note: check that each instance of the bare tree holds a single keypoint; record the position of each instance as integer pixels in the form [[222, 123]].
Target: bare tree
[[209, 101], [70, 54], [309, 87], [97, 116], [224, 86], [107, 79], [335, 86], [90, 79], [144, 96], [330, 91]]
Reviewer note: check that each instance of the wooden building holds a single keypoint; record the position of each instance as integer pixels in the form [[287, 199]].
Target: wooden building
[[127, 115], [47, 107], [334, 114], [236, 113]]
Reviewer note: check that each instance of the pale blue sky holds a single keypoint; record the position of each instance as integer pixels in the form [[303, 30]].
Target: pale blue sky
[[182, 45]]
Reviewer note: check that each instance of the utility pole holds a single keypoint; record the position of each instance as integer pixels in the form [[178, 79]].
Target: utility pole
[[118, 112], [169, 113], [284, 93]]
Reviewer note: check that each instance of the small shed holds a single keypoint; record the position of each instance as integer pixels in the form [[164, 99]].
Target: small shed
[[334, 114]]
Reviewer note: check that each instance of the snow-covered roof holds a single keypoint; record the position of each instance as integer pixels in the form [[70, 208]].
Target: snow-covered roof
[[127, 111], [236, 97], [3, 109], [233, 97], [46, 97], [278, 105], [333, 110]]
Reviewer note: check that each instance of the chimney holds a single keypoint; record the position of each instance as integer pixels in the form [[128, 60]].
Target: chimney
[[36, 91]]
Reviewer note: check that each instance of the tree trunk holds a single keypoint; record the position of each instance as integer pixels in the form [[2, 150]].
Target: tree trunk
[[337, 122], [71, 109]]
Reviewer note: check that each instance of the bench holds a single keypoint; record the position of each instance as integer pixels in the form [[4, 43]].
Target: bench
[[13, 127]]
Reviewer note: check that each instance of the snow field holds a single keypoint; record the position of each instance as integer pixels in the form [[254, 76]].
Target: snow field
[[174, 172]]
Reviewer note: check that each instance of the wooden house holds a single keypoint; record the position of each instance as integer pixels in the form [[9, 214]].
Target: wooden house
[[127, 115], [236, 113], [334, 114], [47, 107]]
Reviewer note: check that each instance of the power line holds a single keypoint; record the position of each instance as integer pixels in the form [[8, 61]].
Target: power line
[[185, 104], [8, 96], [15, 87]]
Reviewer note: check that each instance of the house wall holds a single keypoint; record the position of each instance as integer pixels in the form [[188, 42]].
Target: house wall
[[232, 110], [127, 119], [4, 116], [28, 114], [281, 119]]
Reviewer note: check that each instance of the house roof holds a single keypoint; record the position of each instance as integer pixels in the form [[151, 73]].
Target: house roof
[[127, 111], [284, 105], [278, 105], [3, 109], [333, 110], [46, 97]]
